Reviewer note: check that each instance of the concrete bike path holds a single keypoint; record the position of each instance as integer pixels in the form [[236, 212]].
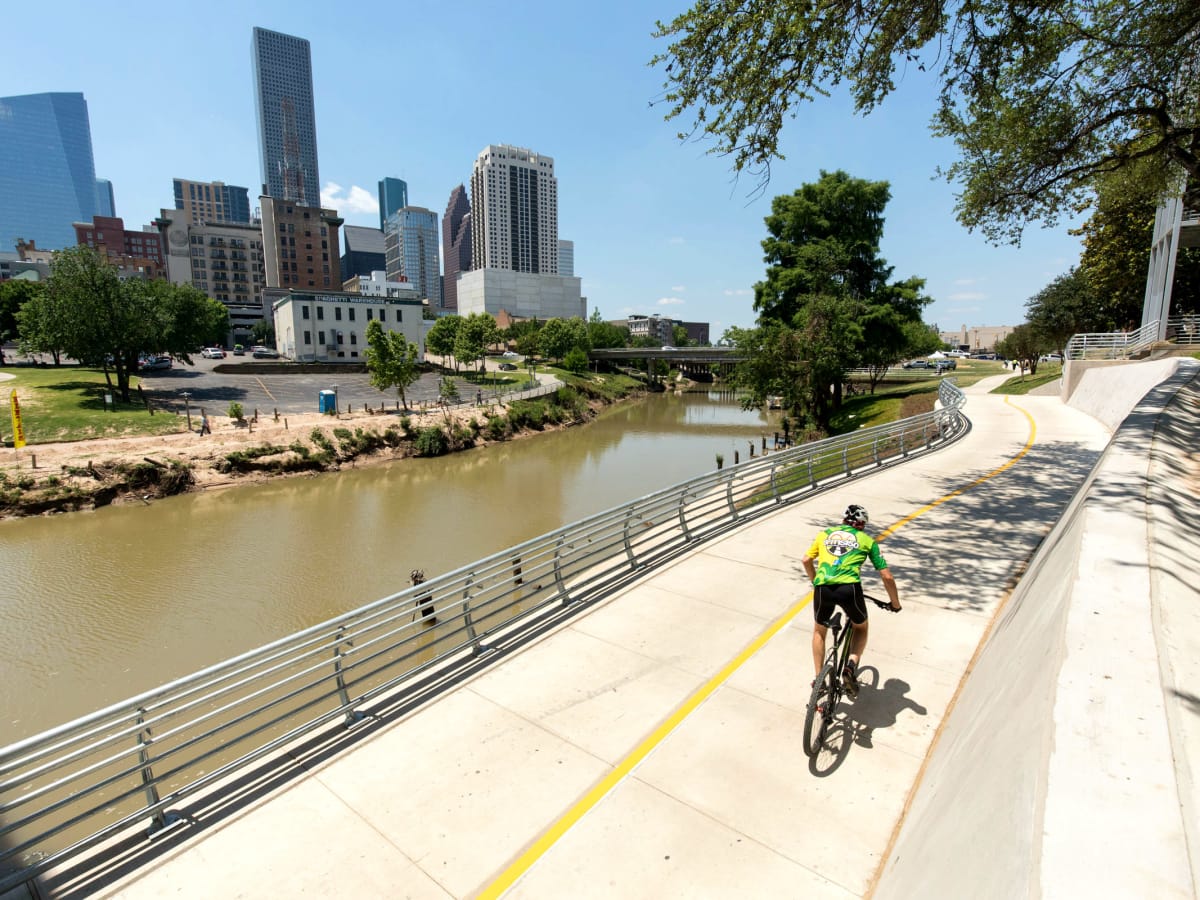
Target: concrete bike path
[[652, 745]]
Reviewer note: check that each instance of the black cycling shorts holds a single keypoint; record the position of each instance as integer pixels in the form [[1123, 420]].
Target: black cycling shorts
[[828, 597]]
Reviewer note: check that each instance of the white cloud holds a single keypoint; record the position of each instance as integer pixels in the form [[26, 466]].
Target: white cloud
[[739, 292], [670, 301], [678, 289], [355, 201], [967, 295]]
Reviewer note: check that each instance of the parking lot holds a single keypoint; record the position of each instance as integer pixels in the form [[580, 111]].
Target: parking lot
[[288, 392]]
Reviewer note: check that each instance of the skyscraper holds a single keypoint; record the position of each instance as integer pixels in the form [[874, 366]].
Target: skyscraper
[[211, 201], [393, 195], [287, 121], [514, 211], [410, 243], [106, 204], [456, 243], [47, 173]]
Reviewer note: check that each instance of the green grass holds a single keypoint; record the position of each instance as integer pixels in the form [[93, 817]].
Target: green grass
[[67, 404], [1023, 384]]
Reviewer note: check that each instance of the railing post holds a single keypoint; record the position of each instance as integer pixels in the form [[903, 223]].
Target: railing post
[[733, 513], [467, 619], [812, 482], [683, 525], [339, 678], [903, 449], [875, 450], [625, 537], [925, 434], [558, 576], [775, 481], [144, 740], [846, 458]]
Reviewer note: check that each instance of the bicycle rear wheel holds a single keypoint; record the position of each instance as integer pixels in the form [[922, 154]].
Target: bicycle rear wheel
[[819, 711]]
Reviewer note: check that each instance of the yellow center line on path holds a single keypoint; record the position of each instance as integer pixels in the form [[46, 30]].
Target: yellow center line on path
[[264, 387], [551, 835]]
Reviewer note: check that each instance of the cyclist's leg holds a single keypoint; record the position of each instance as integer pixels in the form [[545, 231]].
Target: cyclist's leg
[[856, 608], [823, 607]]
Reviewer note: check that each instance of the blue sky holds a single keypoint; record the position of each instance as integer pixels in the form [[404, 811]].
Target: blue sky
[[415, 91]]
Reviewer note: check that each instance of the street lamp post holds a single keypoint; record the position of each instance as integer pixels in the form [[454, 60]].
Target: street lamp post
[[188, 409]]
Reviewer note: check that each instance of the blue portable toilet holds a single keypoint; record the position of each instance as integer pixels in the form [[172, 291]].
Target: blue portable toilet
[[327, 402]]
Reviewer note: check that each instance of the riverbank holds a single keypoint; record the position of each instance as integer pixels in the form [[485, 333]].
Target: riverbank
[[81, 475]]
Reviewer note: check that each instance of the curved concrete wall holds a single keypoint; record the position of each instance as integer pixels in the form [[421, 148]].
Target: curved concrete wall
[[1064, 768]]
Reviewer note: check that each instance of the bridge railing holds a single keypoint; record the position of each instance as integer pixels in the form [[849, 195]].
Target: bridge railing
[[124, 769]]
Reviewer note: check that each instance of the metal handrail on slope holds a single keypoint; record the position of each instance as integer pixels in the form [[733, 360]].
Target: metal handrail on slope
[[110, 773], [1111, 344]]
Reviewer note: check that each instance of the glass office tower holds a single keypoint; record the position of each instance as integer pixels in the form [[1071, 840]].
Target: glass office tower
[[287, 121], [47, 173], [393, 196]]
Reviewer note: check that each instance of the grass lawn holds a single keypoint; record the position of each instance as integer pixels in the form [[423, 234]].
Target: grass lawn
[[1023, 384], [67, 404]]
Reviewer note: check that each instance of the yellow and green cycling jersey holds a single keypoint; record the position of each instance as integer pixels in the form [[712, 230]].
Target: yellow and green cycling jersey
[[840, 553]]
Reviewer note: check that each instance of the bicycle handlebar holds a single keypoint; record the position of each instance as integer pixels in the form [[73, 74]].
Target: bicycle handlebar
[[881, 604]]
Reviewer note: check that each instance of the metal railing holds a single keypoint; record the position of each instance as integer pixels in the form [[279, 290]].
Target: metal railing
[[1112, 344], [107, 775], [1184, 329]]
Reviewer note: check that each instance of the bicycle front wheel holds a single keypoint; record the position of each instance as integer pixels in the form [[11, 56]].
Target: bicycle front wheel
[[819, 711]]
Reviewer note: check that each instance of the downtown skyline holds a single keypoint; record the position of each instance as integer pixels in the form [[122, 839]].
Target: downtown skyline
[[659, 225]]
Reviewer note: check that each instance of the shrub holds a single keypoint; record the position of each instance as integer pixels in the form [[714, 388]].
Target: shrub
[[498, 428], [431, 441], [235, 410]]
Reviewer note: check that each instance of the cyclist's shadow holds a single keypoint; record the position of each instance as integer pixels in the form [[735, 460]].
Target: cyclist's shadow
[[855, 723]]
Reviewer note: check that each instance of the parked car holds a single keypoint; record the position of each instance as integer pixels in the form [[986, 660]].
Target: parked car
[[1050, 357], [212, 353], [918, 364], [508, 354], [945, 363], [239, 350], [507, 367], [156, 363], [264, 353]]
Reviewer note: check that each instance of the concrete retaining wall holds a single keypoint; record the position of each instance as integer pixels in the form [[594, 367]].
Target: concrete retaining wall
[[1065, 767]]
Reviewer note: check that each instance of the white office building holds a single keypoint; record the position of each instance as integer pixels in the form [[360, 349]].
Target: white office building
[[514, 211], [326, 326]]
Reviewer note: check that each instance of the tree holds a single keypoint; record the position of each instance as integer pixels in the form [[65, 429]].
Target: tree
[[14, 294], [263, 332], [1063, 308], [1025, 345], [555, 339], [391, 360], [824, 237], [442, 336], [603, 335], [679, 336], [192, 318], [1040, 98], [1116, 250], [475, 333]]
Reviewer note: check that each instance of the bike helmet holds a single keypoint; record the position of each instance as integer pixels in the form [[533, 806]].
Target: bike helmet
[[856, 515]]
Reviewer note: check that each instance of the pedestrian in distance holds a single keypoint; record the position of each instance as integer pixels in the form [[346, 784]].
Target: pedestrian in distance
[[834, 562], [204, 426]]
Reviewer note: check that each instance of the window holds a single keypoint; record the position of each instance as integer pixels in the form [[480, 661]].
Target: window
[[320, 313], [304, 310], [320, 337], [337, 313], [382, 315], [308, 337], [351, 313], [340, 338], [370, 313], [353, 339]]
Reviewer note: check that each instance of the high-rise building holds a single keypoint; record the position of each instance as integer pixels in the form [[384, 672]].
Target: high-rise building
[[393, 196], [566, 257], [362, 252], [287, 121], [456, 244], [106, 204], [211, 201], [135, 253], [300, 245], [514, 211], [47, 173], [225, 260], [410, 244]]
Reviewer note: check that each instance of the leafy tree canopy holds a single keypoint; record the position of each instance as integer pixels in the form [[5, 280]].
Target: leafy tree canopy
[[442, 336], [1040, 97], [391, 360], [1064, 307]]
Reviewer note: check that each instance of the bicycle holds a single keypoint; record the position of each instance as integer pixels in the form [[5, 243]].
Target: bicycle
[[827, 688]]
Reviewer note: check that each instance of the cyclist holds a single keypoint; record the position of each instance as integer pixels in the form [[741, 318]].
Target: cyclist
[[833, 564]]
